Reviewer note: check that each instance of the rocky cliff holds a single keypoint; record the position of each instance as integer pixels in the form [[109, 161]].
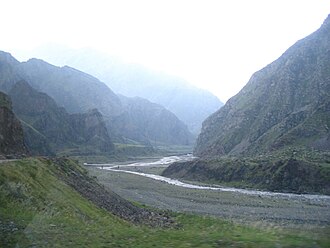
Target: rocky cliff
[[50, 129], [11, 132], [287, 103]]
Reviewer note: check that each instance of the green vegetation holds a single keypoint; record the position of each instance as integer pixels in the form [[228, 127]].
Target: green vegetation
[[294, 169], [39, 209]]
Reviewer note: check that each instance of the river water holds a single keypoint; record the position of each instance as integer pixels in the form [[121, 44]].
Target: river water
[[166, 161]]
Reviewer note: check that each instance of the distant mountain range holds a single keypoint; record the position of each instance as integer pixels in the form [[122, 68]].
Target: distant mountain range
[[275, 133], [62, 108], [190, 104]]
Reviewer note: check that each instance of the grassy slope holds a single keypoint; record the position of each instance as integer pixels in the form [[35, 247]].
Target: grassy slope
[[39, 209]]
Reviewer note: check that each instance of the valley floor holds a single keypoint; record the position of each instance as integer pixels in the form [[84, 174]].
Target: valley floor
[[42, 205], [297, 212]]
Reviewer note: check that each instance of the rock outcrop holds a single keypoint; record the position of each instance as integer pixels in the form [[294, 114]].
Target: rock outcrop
[[49, 129], [11, 132]]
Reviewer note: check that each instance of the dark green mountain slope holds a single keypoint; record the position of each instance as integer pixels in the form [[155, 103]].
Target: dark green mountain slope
[[50, 129], [285, 104], [11, 132]]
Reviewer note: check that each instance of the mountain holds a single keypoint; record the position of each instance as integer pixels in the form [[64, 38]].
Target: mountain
[[77, 92], [189, 103], [274, 134], [151, 123], [287, 103], [74, 90], [49, 129], [11, 132]]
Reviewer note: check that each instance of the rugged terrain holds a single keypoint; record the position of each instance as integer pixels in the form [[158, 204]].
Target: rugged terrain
[[78, 92], [287, 103], [274, 134], [151, 123], [11, 132], [189, 103], [49, 129]]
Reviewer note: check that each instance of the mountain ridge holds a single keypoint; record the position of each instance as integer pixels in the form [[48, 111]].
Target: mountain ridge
[[274, 134], [76, 91], [189, 103], [277, 99], [49, 129]]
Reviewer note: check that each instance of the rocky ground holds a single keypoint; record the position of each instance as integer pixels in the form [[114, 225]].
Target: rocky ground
[[260, 210], [100, 196]]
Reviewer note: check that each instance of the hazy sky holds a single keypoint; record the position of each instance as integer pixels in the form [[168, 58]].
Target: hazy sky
[[215, 45]]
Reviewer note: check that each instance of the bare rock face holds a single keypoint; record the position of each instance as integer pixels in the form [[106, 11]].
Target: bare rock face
[[287, 103], [11, 132]]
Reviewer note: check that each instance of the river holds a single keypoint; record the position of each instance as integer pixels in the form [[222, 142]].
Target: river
[[166, 161], [140, 182]]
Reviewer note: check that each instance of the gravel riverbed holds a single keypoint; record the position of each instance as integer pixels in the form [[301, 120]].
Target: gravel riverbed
[[275, 210]]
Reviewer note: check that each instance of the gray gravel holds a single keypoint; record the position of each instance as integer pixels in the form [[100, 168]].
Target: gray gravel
[[260, 210]]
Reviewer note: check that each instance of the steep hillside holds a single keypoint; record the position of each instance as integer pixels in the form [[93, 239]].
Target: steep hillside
[[143, 120], [11, 132], [46, 202], [190, 104], [9, 73], [285, 104], [274, 134], [72, 89], [50, 129]]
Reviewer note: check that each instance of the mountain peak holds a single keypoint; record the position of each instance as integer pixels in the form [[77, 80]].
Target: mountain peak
[[8, 58]]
